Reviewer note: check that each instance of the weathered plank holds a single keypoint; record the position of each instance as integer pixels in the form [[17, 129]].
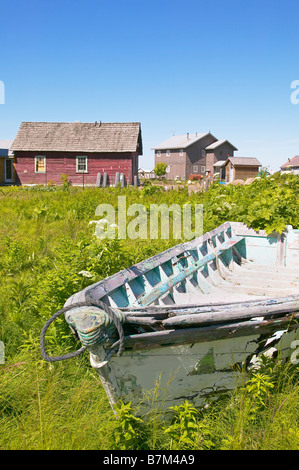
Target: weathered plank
[[160, 289], [138, 320], [100, 289], [233, 314], [224, 306], [209, 333], [163, 311]]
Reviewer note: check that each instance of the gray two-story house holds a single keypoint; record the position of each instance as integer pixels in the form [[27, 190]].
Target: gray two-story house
[[191, 154]]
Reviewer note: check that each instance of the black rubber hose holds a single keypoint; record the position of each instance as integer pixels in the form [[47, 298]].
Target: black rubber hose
[[108, 310]]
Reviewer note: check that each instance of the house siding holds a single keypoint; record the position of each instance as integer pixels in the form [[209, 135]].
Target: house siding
[[194, 156], [223, 152], [219, 153], [182, 166], [240, 172], [243, 173], [175, 161], [58, 163]]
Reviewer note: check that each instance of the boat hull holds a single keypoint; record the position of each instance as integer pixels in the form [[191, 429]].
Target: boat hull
[[194, 317], [164, 376]]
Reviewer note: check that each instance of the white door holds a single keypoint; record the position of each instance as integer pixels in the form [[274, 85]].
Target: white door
[[8, 170]]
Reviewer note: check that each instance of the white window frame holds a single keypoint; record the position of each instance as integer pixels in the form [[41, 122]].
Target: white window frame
[[195, 168], [167, 153], [159, 153], [77, 164], [168, 169], [181, 152], [36, 158], [203, 169], [203, 153]]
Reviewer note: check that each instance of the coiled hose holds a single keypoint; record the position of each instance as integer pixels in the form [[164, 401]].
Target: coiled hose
[[92, 303]]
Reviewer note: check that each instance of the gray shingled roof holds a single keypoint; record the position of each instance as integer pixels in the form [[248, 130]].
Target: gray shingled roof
[[5, 148], [78, 137], [244, 161], [180, 141], [218, 143], [220, 163]]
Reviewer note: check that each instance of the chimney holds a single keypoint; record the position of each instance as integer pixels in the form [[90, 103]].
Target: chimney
[[187, 135], [95, 124]]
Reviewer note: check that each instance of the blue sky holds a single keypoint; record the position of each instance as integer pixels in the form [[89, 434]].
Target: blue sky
[[224, 66]]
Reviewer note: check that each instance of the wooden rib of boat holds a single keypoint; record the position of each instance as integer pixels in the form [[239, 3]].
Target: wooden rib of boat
[[193, 316]]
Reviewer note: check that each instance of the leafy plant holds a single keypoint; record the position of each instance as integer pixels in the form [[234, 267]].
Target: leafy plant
[[186, 430], [128, 431], [258, 388], [46, 246]]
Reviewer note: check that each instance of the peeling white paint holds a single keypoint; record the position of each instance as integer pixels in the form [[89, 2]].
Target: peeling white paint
[[199, 312]]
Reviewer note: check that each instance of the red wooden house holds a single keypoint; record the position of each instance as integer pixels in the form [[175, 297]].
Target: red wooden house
[[44, 151]]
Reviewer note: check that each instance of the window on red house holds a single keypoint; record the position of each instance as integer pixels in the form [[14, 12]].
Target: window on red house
[[40, 164], [81, 165]]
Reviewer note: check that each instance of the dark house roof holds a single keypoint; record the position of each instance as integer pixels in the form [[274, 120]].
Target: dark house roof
[[291, 162], [78, 137], [244, 161]]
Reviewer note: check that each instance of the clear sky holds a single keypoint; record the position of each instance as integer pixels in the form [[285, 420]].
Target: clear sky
[[224, 66]]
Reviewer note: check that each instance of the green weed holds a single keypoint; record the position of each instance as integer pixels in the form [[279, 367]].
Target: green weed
[[48, 251]]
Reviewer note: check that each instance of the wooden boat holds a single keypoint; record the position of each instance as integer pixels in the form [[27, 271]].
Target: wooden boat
[[188, 320]]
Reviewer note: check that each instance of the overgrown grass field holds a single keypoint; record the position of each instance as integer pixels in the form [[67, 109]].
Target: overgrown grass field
[[46, 245]]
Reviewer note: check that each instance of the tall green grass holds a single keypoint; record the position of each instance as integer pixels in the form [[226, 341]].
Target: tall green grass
[[52, 407], [64, 407], [45, 241]]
